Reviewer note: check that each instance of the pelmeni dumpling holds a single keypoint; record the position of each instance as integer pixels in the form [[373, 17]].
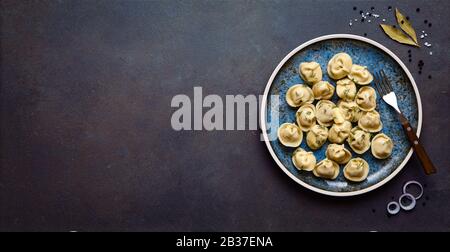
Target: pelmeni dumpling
[[370, 121], [324, 112], [382, 146], [359, 140], [339, 132], [366, 98], [323, 90], [306, 117], [310, 72], [326, 169], [298, 95], [360, 75], [290, 135], [346, 89], [338, 116], [339, 66], [338, 153], [356, 170], [303, 160], [317, 136], [350, 110]]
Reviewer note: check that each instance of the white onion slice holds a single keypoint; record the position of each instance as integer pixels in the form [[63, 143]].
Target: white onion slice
[[411, 205], [413, 182], [395, 210]]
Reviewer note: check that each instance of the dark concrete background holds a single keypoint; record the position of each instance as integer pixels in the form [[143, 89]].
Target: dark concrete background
[[86, 141]]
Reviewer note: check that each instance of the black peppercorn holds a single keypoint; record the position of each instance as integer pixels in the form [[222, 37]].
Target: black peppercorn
[[402, 22], [354, 8], [362, 20], [365, 34], [407, 18], [409, 60], [429, 77], [389, 7], [429, 25], [409, 51], [425, 21], [420, 72], [372, 8], [418, 9], [361, 12]]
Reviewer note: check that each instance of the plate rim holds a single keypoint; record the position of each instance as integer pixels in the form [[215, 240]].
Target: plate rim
[[264, 104]]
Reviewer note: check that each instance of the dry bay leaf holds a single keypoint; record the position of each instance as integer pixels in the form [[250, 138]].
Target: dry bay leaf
[[397, 35], [405, 25]]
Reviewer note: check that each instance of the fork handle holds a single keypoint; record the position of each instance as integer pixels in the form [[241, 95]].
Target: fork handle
[[418, 148]]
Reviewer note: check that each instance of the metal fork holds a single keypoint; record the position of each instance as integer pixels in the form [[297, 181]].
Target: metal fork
[[384, 88]]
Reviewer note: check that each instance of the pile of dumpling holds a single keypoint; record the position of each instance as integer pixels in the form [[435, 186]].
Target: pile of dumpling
[[327, 121]]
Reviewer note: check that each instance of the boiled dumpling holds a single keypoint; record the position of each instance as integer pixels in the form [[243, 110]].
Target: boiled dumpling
[[338, 116], [360, 75], [310, 72], [323, 90], [356, 170], [366, 98], [324, 112], [346, 89], [350, 110], [339, 132], [359, 140], [306, 117], [327, 169], [298, 95], [382, 146], [303, 160], [370, 121], [339, 66], [290, 135], [317, 136], [338, 153]]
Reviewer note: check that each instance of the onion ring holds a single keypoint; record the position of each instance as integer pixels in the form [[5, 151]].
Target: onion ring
[[413, 182], [411, 205], [395, 210]]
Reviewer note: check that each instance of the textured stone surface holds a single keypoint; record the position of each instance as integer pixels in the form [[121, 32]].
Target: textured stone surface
[[86, 142]]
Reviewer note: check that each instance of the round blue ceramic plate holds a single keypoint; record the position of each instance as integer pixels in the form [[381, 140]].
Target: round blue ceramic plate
[[363, 52]]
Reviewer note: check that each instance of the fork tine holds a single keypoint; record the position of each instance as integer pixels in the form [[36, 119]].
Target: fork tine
[[378, 85], [386, 82]]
